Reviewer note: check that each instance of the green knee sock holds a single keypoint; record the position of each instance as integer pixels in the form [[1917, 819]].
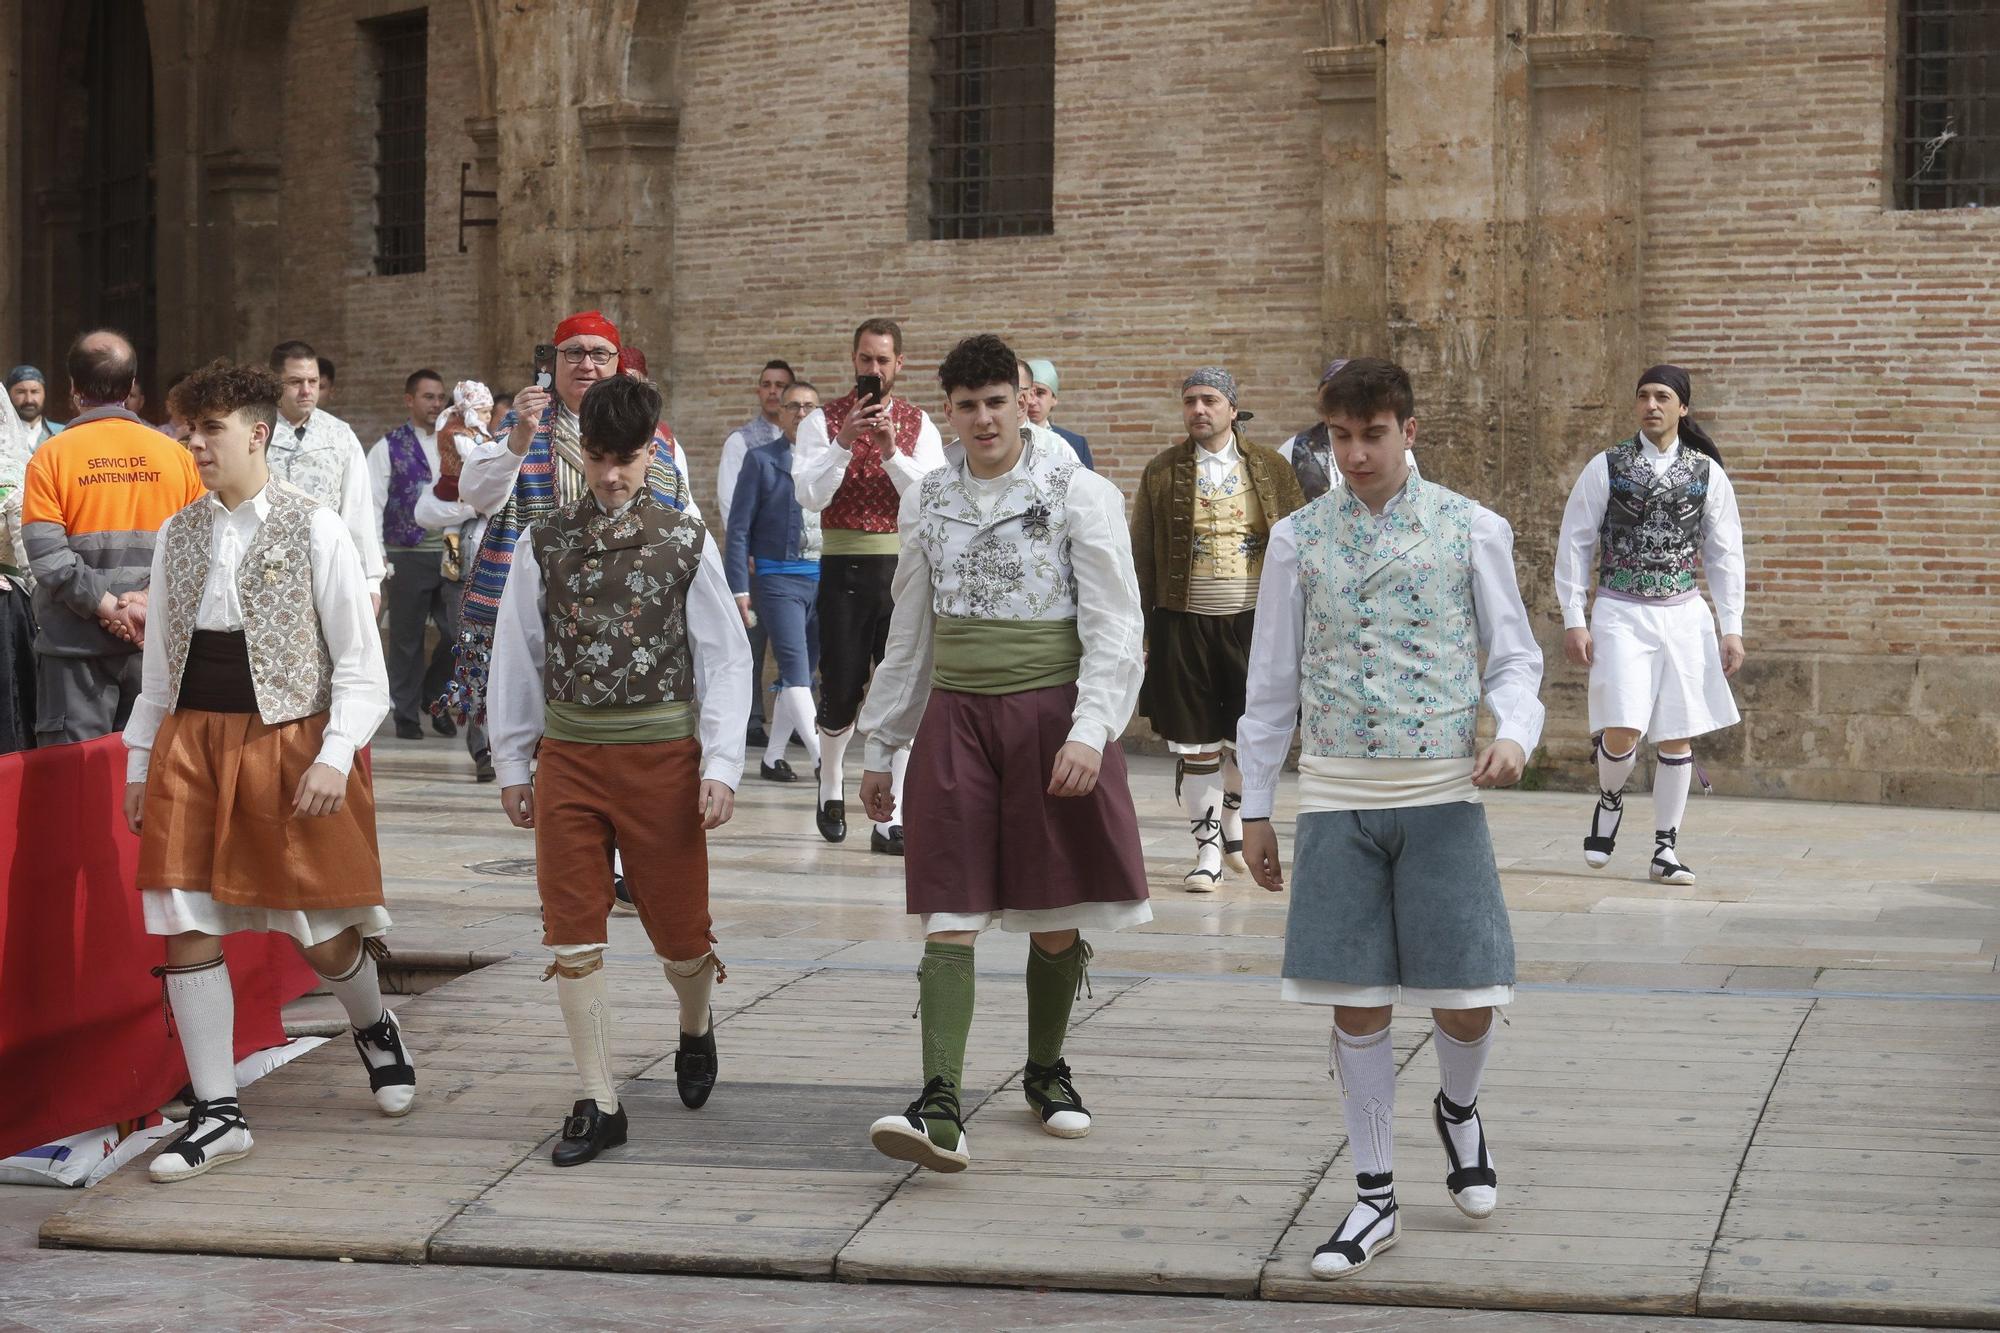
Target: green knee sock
[[1053, 982], [944, 983]]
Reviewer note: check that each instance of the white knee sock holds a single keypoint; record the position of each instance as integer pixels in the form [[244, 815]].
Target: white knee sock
[[586, 1011], [798, 700], [1671, 778], [780, 731], [897, 767], [204, 1008], [1232, 801], [1612, 773], [1366, 1068], [1201, 792], [832, 757], [1461, 1065], [693, 982], [359, 991]]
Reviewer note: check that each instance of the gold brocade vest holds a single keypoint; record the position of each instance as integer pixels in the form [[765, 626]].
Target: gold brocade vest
[[614, 597], [1230, 534]]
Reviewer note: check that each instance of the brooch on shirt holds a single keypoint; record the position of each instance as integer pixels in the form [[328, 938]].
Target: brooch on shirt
[[274, 564]]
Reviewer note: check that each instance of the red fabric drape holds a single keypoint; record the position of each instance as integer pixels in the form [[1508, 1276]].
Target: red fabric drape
[[83, 1041]]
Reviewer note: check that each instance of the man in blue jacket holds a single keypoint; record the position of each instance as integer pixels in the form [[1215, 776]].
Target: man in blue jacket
[[768, 526]]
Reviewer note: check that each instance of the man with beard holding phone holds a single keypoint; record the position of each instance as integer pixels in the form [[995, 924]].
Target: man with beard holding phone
[[854, 459]]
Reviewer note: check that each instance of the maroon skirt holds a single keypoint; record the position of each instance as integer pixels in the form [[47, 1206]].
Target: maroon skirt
[[980, 831]]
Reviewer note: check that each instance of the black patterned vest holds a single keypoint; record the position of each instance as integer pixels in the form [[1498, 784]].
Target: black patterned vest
[[615, 602], [1649, 544]]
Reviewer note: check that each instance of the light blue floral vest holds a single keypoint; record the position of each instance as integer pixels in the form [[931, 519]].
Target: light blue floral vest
[[1391, 667]]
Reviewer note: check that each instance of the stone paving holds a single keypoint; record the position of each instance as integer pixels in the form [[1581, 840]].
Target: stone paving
[[1694, 1082]]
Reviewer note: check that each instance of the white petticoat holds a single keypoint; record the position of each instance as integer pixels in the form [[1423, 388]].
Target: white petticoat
[[178, 911], [1077, 916], [1657, 670]]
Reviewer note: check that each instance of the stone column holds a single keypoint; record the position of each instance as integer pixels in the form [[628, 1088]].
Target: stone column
[[1586, 70], [627, 257], [1353, 294], [540, 155], [1443, 210]]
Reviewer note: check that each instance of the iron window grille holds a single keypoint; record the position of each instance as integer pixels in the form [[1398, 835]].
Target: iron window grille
[[1948, 104], [993, 111], [402, 64]]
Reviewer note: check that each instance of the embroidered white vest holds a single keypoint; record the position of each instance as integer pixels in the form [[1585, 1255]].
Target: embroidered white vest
[[290, 667], [1391, 667], [318, 464], [1011, 563]]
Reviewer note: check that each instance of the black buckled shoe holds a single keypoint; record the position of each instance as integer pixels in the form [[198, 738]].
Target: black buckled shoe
[[778, 772], [443, 725], [587, 1131], [695, 1067], [832, 820], [889, 844]]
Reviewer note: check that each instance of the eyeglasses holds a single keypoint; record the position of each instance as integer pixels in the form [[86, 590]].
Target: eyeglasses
[[801, 409], [599, 356]]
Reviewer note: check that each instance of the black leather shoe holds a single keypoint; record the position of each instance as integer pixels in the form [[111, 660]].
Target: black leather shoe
[[482, 767], [889, 844], [444, 726], [695, 1067], [832, 820], [588, 1131], [778, 772], [621, 897], [409, 731], [756, 735]]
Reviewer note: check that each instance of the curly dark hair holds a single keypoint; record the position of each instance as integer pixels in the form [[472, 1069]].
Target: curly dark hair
[[225, 387], [1366, 386], [977, 362]]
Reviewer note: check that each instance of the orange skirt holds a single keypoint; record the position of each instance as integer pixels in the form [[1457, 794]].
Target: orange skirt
[[218, 817]]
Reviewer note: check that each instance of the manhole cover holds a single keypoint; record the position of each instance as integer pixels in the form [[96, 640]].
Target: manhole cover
[[514, 867]]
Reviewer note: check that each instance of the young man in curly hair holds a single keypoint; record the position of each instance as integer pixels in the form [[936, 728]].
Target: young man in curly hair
[[1012, 668], [262, 675]]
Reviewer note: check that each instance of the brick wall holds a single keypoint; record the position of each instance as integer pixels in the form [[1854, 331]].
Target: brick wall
[[1187, 221], [1845, 356], [377, 329]]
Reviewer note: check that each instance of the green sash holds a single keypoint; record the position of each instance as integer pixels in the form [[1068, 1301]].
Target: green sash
[[618, 724], [1004, 656], [847, 541]]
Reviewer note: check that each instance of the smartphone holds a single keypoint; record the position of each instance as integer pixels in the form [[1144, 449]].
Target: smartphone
[[867, 387], [545, 366]]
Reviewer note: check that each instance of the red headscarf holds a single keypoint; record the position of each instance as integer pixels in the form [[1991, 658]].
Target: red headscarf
[[589, 322], [631, 358]]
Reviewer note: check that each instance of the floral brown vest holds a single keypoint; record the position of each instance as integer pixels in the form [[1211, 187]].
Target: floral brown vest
[[289, 662], [615, 602]]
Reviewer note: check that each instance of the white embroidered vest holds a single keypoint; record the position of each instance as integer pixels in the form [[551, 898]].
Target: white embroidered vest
[[318, 464], [290, 667], [1013, 561], [1391, 667]]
